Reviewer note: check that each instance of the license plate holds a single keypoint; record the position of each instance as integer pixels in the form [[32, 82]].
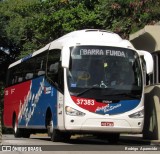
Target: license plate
[[111, 124]]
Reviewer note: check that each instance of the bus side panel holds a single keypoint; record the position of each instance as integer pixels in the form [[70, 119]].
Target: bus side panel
[[42, 96], [30, 100], [60, 111], [14, 97]]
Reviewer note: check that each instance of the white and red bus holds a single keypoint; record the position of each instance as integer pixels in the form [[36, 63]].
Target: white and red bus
[[88, 81]]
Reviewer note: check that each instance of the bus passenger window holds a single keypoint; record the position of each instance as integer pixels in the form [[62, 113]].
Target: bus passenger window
[[40, 64], [29, 76], [13, 81], [53, 64], [41, 72], [54, 68], [20, 79], [53, 72]]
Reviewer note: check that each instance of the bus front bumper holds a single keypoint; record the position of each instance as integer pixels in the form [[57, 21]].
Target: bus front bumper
[[106, 125]]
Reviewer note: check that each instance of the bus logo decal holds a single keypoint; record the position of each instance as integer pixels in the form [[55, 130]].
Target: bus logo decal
[[11, 91], [47, 90], [30, 103], [105, 106], [108, 108], [6, 92]]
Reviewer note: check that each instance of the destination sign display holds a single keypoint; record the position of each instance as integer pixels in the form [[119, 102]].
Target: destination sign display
[[102, 52]]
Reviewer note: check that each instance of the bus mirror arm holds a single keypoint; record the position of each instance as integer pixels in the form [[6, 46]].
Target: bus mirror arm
[[148, 59], [65, 57]]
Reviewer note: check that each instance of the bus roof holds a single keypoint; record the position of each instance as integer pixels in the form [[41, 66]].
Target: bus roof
[[87, 36], [84, 37]]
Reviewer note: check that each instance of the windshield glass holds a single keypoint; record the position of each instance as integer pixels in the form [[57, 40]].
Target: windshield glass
[[100, 71]]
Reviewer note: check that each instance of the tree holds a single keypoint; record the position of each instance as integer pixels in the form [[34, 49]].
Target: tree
[[127, 16], [72, 16], [26, 26], [15, 20], [29, 25]]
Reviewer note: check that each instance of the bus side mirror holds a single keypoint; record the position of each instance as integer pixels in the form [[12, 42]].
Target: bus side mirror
[[65, 57], [148, 59]]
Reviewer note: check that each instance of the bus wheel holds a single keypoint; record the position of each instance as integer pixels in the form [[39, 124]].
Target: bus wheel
[[53, 133], [56, 136], [17, 132]]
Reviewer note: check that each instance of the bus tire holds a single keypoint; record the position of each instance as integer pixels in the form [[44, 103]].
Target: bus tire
[[52, 132], [56, 136], [16, 130]]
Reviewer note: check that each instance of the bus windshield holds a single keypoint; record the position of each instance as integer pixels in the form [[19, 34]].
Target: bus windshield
[[102, 71]]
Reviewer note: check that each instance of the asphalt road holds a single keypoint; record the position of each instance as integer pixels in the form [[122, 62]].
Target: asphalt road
[[41, 142]]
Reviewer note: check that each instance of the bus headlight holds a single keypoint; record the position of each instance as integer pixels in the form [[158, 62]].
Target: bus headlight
[[73, 112], [139, 114]]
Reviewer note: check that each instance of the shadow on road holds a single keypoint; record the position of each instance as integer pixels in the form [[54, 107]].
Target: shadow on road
[[92, 140]]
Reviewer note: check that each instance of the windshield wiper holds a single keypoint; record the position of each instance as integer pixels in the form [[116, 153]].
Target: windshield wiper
[[125, 94], [82, 92]]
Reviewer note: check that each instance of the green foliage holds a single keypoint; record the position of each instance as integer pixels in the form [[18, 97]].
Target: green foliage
[[29, 25], [127, 16], [16, 20]]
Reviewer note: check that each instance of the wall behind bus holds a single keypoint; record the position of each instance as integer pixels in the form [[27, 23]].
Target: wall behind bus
[[147, 38]]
